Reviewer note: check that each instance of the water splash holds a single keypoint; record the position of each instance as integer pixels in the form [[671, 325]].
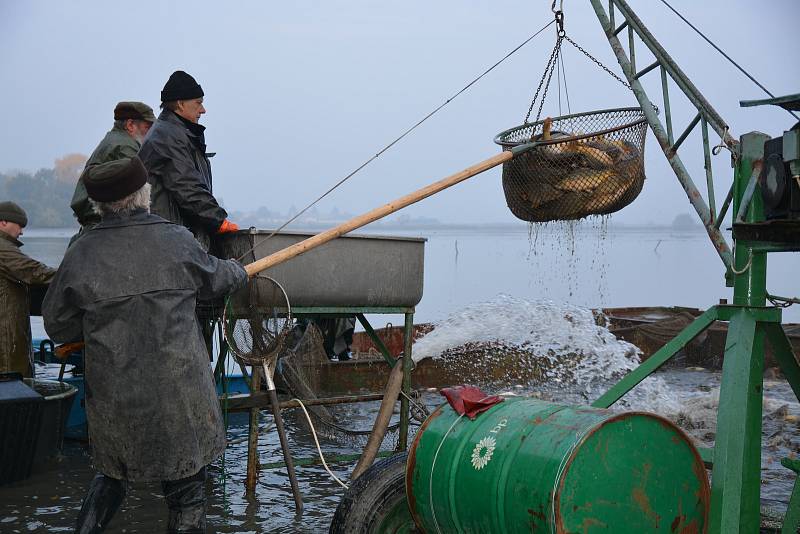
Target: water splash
[[544, 326], [570, 348]]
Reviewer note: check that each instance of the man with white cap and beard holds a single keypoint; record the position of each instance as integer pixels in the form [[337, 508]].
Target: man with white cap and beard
[[132, 121]]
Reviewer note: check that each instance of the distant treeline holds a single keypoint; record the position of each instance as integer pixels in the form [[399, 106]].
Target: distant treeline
[[42, 195]]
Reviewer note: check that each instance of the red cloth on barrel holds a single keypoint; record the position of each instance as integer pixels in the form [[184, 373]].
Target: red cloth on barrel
[[469, 400]]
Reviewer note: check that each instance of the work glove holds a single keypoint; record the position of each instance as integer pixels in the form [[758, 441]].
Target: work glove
[[227, 227]]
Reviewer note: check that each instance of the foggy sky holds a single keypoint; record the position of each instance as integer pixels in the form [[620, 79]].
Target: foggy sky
[[300, 93]]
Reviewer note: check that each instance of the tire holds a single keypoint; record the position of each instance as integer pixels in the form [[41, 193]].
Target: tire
[[376, 501]]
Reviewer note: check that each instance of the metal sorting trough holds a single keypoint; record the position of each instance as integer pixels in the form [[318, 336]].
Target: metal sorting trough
[[350, 271]]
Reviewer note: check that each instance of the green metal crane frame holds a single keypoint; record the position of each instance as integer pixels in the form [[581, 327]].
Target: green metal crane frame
[[736, 455]]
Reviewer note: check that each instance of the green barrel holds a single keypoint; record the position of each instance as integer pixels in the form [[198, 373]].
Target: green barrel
[[531, 466]]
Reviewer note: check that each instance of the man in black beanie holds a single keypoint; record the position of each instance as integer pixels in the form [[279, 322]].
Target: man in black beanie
[[128, 289], [179, 170]]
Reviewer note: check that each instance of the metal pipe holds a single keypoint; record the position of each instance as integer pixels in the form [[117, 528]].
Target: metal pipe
[[674, 148], [408, 338], [744, 203], [647, 69], [331, 459], [329, 401], [667, 108], [712, 204], [287, 453], [241, 403], [724, 209], [631, 49], [621, 27], [611, 12], [375, 339]]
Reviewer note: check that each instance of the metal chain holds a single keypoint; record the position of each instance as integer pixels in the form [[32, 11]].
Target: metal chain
[[546, 75], [587, 54], [782, 302]]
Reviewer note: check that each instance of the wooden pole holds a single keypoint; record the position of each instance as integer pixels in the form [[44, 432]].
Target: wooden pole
[[378, 213], [392, 391], [252, 442]]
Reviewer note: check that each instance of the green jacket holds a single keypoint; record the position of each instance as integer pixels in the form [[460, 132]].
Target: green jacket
[[17, 272], [116, 144]]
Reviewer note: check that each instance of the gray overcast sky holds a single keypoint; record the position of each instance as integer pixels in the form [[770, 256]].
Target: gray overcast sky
[[300, 93]]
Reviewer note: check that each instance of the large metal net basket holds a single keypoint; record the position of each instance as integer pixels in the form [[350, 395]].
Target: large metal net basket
[[593, 164]]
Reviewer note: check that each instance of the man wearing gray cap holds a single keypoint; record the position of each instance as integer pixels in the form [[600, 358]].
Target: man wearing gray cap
[[179, 169], [17, 272], [128, 289], [132, 120]]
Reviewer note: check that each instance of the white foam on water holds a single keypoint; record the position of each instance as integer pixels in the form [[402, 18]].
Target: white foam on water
[[544, 327], [588, 356]]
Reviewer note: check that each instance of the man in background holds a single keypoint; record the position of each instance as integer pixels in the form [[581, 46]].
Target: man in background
[[128, 289], [132, 121], [178, 166], [17, 273]]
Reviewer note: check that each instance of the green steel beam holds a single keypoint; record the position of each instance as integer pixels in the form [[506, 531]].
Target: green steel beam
[[736, 476], [375, 339], [657, 360], [767, 246], [783, 353], [750, 267], [725, 312], [791, 521], [402, 441]]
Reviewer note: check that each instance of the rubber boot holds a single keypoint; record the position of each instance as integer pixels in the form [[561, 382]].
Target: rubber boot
[[186, 499], [102, 501]]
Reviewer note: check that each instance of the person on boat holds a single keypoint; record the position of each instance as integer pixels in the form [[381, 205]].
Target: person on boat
[[17, 272], [128, 288], [132, 121], [179, 169]]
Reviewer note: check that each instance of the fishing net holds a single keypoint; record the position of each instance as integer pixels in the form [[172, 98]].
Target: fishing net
[[299, 370], [585, 164], [257, 320]]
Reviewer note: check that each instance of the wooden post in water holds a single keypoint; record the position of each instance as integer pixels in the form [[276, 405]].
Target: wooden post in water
[[252, 443]]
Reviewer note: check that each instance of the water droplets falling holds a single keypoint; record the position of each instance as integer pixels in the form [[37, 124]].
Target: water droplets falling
[[570, 246]]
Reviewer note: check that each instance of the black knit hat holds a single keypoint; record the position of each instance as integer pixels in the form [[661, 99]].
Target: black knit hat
[[11, 212], [181, 86], [114, 180]]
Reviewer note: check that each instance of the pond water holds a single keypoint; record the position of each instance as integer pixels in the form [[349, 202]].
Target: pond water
[[509, 284]]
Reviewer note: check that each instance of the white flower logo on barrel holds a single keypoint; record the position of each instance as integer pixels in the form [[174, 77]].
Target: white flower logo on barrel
[[482, 452]]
